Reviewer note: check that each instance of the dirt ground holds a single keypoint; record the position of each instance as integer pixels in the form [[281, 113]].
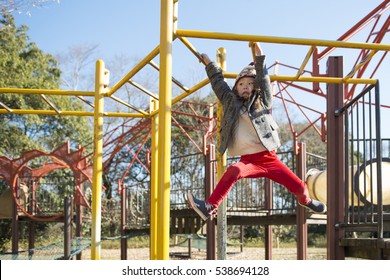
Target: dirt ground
[[181, 253]]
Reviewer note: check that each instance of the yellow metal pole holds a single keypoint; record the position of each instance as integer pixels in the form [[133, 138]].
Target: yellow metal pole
[[306, 60], [134, 71], [221, 166], [46, 91], [221, 56], [330, 80], [164, 128], [154, 183], [100, 85], [281, 40], [46, 112]]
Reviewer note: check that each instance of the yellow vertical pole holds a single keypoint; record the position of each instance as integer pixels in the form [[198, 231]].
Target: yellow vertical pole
[[221, 158], [100, 84], [153, 183], [164, 128], [221, 166]]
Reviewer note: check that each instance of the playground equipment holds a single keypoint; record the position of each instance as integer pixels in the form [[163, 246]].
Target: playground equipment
[[367, 182], [7, 201], [160, 119], [26, 180]]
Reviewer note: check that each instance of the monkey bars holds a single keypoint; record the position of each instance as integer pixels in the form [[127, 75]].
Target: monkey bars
[[160, 111]]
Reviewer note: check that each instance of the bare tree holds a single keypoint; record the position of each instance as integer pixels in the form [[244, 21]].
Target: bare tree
[[147, 78], [18, 6], [77, 66]]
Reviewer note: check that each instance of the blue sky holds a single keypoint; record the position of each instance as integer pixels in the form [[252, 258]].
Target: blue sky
[[119, 26], [132, 27]]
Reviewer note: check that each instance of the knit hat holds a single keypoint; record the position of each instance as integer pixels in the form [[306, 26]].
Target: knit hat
[[248, 71]]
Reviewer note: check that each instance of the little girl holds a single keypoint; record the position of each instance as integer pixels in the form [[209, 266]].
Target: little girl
[[249, 130]]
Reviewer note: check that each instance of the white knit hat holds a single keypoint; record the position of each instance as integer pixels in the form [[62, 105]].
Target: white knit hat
[[248, 71]]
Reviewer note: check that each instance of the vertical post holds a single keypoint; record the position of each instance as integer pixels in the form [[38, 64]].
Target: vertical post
[[301, 212], [164, 127], [268, 197], [316, 68], [153, 183], [122, 192], [79, 216], [189, 248], [241, 238], [209, 186], [221, 166], [31, 210], [335, 161], [268, 228], [100, 86], [67, 227], [15, 220], [379, 160]]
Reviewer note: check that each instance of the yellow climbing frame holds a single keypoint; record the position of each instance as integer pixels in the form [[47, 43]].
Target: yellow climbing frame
[[160, 113]]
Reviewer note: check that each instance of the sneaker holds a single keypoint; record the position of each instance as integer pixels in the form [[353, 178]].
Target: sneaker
[[315, 206], [204, 209]]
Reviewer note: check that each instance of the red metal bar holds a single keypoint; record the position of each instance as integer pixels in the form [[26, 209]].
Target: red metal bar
[[357, 27]]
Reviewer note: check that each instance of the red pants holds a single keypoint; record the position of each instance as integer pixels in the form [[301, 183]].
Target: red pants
[[264, 164]]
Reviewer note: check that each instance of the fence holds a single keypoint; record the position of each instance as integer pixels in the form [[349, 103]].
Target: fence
[[363, 163]]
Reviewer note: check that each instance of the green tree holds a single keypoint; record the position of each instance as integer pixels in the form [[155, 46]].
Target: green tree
[[24, 65], [313, 141]]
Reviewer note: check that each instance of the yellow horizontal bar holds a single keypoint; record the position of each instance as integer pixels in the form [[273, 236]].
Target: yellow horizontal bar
[[330, 80], [46, 112], [229, 75], [280, 40], [71, 113], [46, 91]]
